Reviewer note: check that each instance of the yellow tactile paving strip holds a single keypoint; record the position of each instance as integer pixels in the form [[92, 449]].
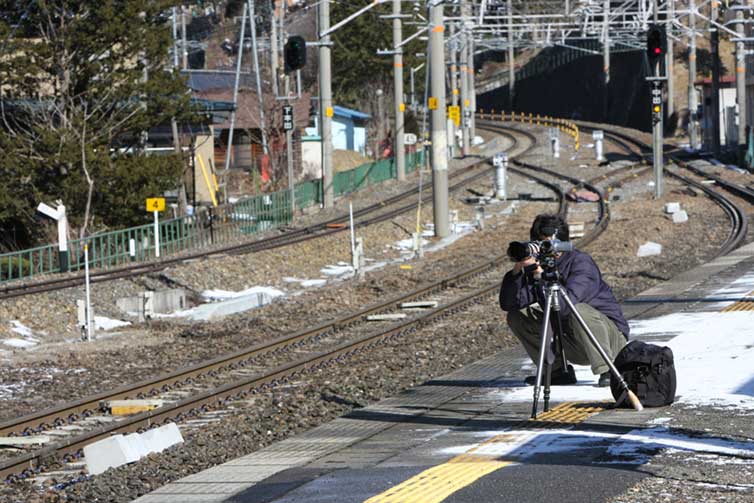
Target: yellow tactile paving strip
[[437, 483], [746, 304]]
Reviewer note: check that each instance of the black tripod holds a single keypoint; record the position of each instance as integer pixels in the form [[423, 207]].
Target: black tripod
[[552, 344]]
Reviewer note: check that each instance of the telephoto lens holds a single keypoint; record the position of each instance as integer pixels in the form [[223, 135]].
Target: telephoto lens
[[521, 250], [518, 251]]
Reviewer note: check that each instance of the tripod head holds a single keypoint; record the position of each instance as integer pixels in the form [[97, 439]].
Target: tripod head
[[548, 253], [550, 273]]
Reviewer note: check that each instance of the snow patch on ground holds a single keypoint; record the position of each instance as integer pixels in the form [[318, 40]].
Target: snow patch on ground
[[21, 329], [104, 323], [213, 295], [634, 447], [19, 343], [27, 339], [339, 269], [723, 341], [306, 283]]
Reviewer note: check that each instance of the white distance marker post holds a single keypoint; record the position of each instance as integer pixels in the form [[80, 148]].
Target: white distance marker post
[[555, 142], [500, 161], [354, 253], [156, 205], [157, 234], [598, 136], [88, 295]]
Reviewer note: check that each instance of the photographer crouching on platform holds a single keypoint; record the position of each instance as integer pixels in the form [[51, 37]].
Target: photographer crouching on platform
[[522, 296]]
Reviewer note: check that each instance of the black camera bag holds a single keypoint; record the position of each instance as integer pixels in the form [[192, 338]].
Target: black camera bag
[[649, 372]]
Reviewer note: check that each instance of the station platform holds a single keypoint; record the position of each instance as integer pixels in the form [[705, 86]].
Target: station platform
[[468, 436]]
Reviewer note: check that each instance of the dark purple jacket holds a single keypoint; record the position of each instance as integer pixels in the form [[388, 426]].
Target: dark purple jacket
[[582, 281]]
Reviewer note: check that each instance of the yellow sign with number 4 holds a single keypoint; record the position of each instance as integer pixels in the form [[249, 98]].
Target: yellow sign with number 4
[[156, 204]]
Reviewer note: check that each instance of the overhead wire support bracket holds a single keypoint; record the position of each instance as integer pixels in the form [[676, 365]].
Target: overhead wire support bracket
[[328, 43]]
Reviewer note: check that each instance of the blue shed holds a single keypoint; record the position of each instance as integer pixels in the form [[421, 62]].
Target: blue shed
[[349, 129]]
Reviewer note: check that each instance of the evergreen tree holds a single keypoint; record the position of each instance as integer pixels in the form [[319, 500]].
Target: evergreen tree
[[358, 70], [81, 81]]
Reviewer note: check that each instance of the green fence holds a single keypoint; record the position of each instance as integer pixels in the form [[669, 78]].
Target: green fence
[[207, 227]]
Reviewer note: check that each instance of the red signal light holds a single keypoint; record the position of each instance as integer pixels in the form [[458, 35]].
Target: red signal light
[[658, 50]]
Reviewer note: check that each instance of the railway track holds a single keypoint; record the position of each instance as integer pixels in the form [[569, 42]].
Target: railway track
[[248, 378], [369, 215], [736, 215], [242, 368], [201, 401]]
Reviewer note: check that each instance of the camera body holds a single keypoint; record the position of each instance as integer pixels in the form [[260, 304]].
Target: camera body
[[540, 250]]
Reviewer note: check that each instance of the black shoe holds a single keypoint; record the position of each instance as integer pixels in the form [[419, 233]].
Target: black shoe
[[558, 378], [604, 380]]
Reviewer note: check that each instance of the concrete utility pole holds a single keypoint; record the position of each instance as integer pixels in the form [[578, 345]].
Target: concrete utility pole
[[184, 48], [325, 104], [472, 86], [400, 106], [511, 59], [454, 90], [175, 37], [465, 140], [715, 49], [274, 46], [693, 140], [741, 83], [669, 58], [439, 129], [606, 55]]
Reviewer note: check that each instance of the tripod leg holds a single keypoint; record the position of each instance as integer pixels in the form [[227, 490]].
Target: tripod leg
[[546, 396], [543, 348], [558, 350], [632, 398]]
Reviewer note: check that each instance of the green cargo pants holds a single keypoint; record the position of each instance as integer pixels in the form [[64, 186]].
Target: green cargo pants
[[526, 324]]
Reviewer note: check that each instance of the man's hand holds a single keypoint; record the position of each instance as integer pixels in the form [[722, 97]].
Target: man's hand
[[519, 266]]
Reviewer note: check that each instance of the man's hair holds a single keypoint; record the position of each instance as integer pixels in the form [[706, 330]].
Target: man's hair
[[548, 224]]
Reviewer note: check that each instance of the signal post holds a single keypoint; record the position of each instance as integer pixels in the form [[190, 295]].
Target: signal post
[[657, 133], [656, 49]]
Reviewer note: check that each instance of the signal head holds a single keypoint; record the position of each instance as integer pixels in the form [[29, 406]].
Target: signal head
[[656, 42]]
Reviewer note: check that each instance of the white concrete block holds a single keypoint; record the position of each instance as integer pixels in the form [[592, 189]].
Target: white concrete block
[[680, 217], [137, 443], [671, 208], [109, 453], [649, 248], [159, 439]]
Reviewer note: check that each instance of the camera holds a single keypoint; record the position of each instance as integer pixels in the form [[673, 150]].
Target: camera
[[521, 250]]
